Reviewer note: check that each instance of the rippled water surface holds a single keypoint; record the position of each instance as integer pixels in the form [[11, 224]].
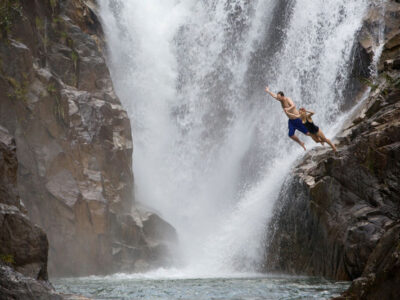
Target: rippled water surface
[[122, 286]]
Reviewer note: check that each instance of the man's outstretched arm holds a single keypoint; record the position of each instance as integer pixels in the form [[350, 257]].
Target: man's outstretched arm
[[271, 93]]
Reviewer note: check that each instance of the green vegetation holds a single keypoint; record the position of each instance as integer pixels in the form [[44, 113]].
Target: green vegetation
[[59, 110], [74, 80], [53, 5], [51, 89], [64, 35], [69, 42], [388, 78], [393, 83], [7, 258], [367, 81], [75, 57], [396, 84], [57, 20], [10, 10], [39, 23], [19, 90]]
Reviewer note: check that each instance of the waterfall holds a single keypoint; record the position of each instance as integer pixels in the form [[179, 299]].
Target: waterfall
[[211, 149]]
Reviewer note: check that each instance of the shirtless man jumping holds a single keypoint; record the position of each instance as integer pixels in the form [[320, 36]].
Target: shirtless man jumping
[[293, 114]]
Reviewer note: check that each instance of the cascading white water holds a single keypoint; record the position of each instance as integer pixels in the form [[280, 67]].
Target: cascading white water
[[211, 149]]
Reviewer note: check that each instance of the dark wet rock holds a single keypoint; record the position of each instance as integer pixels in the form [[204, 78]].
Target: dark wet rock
[[145, 241], [381, 19], [73, 138], [14, 285], [8, 170], [381, 276], [23, 245]]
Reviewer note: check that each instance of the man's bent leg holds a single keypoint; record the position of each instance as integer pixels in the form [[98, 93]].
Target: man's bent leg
[[297, 140]]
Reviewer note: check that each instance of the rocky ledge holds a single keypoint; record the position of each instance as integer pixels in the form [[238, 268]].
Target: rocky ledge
[[338, 215], [73, 140]]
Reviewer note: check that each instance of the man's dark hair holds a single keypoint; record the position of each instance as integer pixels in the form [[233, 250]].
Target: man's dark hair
[[281, 93]]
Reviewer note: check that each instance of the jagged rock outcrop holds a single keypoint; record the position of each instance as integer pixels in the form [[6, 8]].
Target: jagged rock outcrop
[[381, 19], [23, 245], [73, 137], [145, 241], [14, 285], [381, 276], [338, 215], [336, 208]]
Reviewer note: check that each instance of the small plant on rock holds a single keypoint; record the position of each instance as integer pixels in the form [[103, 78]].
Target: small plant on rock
[[19, 90], [7, 259], [10, 10]]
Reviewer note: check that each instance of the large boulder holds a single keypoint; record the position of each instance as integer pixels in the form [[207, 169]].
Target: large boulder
[[14, 285], [144, 241], [22, 244], [381, 276]]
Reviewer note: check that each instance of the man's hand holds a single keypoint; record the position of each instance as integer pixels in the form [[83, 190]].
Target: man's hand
[[269, 92]]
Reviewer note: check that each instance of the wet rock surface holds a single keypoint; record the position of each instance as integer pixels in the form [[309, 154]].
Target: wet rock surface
[[14, 285], [23, 245], [144, 241], [381, 276], [338, 215], [73, 138]]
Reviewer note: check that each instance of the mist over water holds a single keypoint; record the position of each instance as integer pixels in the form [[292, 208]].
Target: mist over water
[[211, 148]]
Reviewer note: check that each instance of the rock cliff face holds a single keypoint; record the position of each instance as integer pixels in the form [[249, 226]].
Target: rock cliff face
[[73, 139], [338, 216], [23, 245]]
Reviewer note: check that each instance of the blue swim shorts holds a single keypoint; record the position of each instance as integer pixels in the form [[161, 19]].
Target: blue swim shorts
[[296, 124]]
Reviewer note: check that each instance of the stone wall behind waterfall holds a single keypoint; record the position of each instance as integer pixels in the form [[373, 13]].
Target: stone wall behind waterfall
[[73, 141]]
